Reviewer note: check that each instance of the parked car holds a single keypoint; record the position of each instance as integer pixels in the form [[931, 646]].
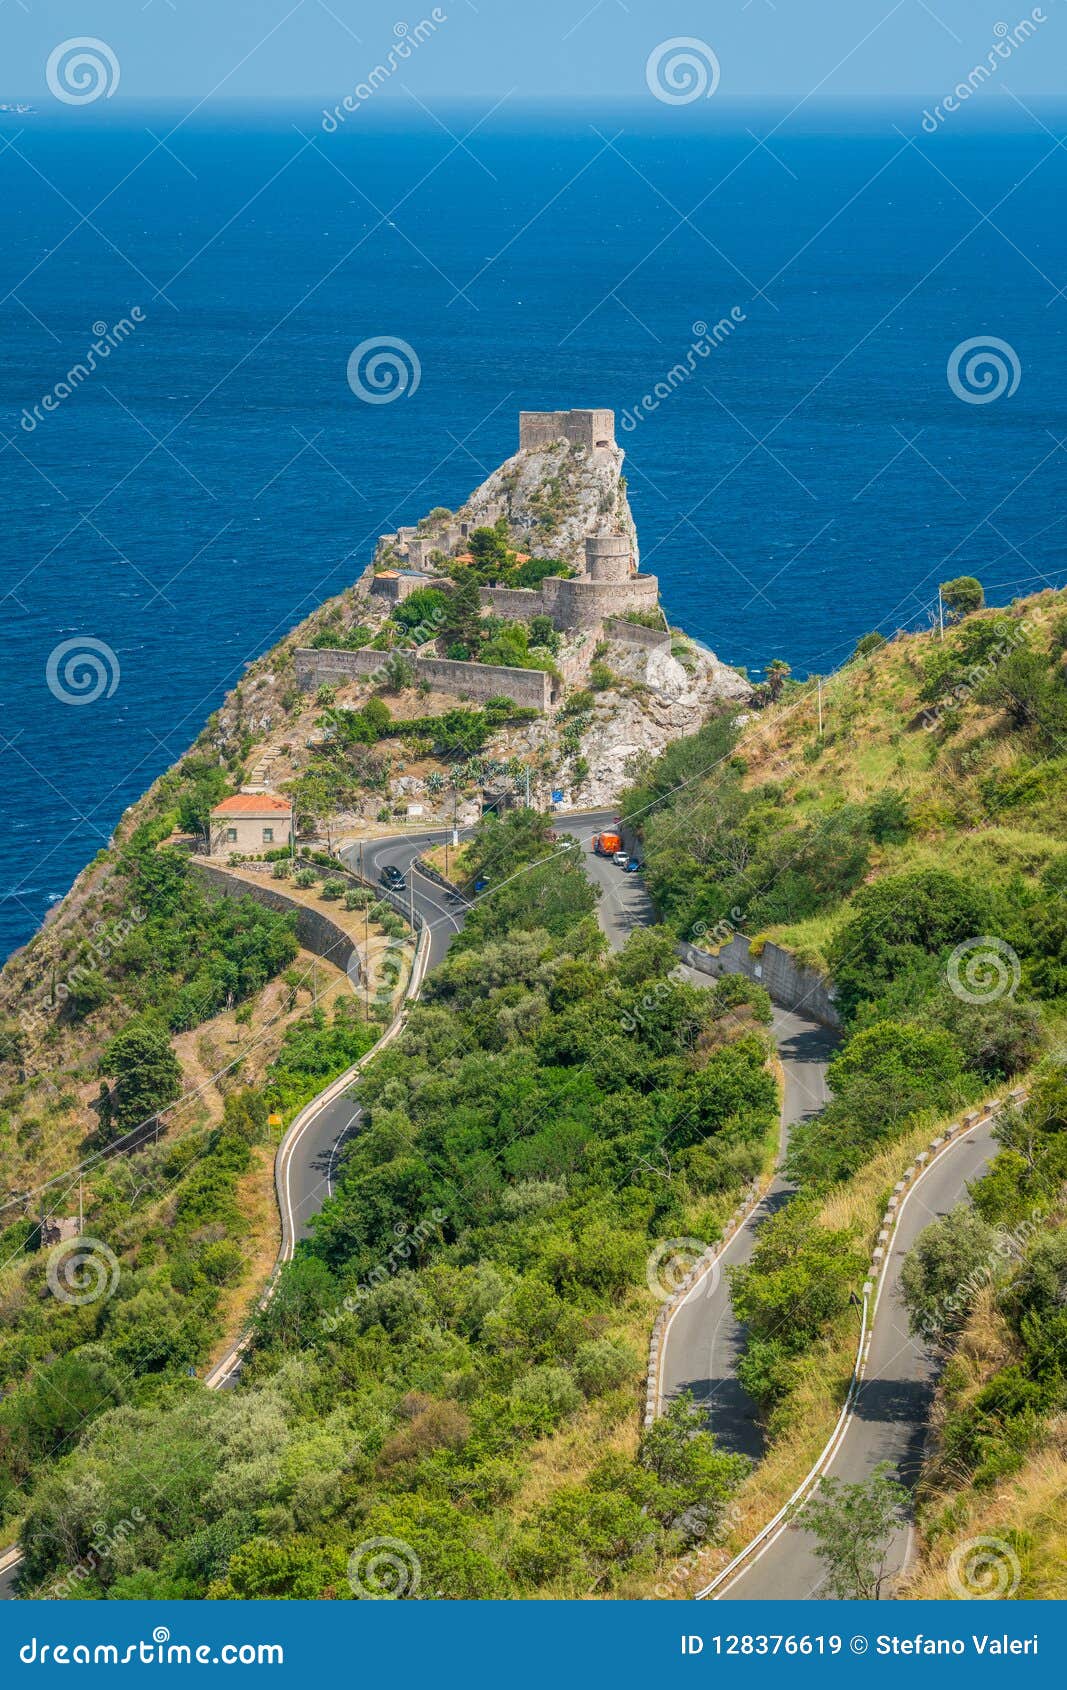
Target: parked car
[[633, 866], [392, 877], [620, 858]]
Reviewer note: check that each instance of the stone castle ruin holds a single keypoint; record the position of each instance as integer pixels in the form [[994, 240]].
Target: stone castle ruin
[[607, 581], [562, 496]]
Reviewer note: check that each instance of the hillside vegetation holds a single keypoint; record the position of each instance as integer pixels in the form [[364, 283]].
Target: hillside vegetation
[[454, 1361], [913, 852], [453, 1364]]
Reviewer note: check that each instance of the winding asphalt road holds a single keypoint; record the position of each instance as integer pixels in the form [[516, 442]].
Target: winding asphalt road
[[703, 1341], [892, 1407], [312, 1167]]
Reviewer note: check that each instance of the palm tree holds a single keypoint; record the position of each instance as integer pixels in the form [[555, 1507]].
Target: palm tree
[[778, 672]]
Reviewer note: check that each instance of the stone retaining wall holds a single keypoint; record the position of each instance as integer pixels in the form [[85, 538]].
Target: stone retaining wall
[[314, 928], [531, 688], [633, 633], [790, 984]]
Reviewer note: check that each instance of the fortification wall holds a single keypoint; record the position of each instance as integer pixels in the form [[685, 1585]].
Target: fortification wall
[[397, 587], [522, 602], [632, 633], [531, 688], [573, 665], [586, 604], [479, 681], [314, 928]]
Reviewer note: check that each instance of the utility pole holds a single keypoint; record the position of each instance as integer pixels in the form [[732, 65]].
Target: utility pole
[[820, 705], [941, 615]]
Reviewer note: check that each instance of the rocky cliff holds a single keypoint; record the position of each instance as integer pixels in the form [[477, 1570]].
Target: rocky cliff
[[557, 494]]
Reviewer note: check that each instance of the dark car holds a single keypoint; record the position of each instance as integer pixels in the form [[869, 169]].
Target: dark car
[[392, 878], [633, 866]]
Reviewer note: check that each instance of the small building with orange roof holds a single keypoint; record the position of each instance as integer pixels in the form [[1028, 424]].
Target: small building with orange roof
[[251, 822]]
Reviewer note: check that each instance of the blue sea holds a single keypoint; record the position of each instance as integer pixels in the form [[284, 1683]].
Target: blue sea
[[813, 476]]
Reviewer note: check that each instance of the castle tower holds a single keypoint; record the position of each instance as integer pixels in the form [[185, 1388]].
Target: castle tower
[[608, 557], [595, 430]]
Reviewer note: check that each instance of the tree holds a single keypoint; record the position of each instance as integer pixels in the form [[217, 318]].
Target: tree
[[314, 805], [853, 1526], [399, 672], [543, 633], [885, 1073], [961, 597], [147, 1075], [208, 785], [463, 613], [1030, 695], [778, 672], [797, 1283], [888, 819], [378, 716], [305, 1298], [489, 549], [895, 921], [949, 1263], [869, 644], [422, 613], [682, 1453]]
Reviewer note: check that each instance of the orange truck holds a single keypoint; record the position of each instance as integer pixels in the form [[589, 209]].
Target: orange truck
[[606, 844]]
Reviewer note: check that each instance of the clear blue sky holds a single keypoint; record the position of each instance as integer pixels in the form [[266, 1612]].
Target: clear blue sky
[[573, 48]]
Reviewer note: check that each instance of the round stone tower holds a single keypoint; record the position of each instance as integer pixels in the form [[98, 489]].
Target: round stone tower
[[608, 557]]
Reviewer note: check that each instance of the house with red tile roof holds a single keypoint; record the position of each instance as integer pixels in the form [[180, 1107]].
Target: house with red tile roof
[[250, 823]]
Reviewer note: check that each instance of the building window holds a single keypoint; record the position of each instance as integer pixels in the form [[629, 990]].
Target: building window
[[268, 836], [231, 836]]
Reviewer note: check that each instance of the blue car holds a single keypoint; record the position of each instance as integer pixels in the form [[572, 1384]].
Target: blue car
[[633, 866]]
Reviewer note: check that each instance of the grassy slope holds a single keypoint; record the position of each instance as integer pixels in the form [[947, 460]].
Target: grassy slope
[[874, 738], [989, 805]]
